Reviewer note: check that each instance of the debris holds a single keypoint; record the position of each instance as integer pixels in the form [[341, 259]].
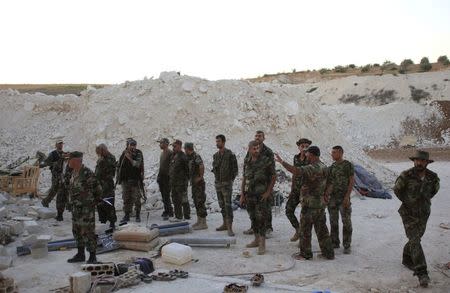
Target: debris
[[5, 262], [32, 227], [16, 227], [445, 226], [80, 282], [235, 288], [8, 285], [257, 280], [176, 253]]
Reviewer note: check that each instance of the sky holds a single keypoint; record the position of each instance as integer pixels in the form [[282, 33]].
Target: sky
[[96, 41]]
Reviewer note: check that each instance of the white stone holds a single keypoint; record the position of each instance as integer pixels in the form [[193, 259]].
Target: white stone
[[29, 240], [80, 282], [46, 213], [32, 227], [3, 213], [16, 227], [44, 237], [5, 262], [188, 86]]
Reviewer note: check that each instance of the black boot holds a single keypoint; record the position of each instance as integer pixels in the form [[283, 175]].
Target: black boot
[[92, 258], [126, 218], [59, 217], [112, 225], [79, 257], [138, 218]]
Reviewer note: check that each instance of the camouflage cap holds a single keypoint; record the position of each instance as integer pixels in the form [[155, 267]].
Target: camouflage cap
[[163, 140], [178, 142], [75, 154], [314, 150], [131, 141], [189, 145], [303, 140], [421, 155]]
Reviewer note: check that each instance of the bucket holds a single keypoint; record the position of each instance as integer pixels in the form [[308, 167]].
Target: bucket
[[175, 253]]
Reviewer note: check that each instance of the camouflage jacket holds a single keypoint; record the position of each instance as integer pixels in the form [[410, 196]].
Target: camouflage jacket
[[194, 162], [225, 166], [314, 180], [164, 163], [131, 170], [179, 169], [415, 193], [55, 161], [105, 171], [84, 191], [298, 162], [258, 175], [339, 174]]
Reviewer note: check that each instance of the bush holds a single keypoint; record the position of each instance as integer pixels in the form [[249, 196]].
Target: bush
[[425, 64], [365, 68], [340, 69], [376, 65], [404, 66], [444, 60], [294, 70], [324, 70], [351, 66]]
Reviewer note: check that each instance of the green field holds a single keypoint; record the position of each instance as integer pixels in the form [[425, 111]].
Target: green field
[[50, 89]]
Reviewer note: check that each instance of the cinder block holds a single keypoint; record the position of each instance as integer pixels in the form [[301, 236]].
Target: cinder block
[[32, 227], [80, 282]]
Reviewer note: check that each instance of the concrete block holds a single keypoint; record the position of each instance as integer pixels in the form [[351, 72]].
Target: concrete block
[[80, 282], [44, 237], [5, 262], [29, 240], [15, 226], [46, 213], [3, 212], [32, 227]]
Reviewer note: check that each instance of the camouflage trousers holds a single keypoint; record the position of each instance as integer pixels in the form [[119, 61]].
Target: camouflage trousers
[[131, 195], [54, 188], [62, 197], [317, 218], [180, 201], [258, 212], [269, 212], [415, 223], [164, 188], [334, 209], [199, 198], [291, 204], [224, 192], [83, 227], [107, 212]]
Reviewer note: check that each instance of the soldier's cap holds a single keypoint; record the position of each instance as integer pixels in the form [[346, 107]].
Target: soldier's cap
[[178, 142], [421, 155], [163, 140], [314, 150], [58, 141], [131, 141], [75, 154], [303, 140], [189, 145]]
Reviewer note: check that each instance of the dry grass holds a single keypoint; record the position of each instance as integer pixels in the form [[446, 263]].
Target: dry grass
[[49, 89]]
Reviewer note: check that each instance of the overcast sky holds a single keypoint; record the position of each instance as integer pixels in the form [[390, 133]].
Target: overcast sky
[[64, 41]]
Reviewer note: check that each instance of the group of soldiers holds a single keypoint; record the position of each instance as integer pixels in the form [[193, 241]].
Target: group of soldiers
[[315, 187]]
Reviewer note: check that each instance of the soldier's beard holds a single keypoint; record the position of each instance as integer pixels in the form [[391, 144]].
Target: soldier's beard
[[420, 168]]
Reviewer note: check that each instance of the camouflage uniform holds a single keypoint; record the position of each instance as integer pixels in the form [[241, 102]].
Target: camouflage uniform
[[85, 193], [314, 177], [130, 177], [265, 151], [163, 180], [258, 176], [63, 195], [105, 171], [198, 189], [415, 194], [56, 163], [339, 175], [179, 176], [225, 169], [294, 197]]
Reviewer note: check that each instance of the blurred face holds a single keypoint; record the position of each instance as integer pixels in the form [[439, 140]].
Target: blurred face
[[75, 163], [309, 156], [163, 145], [98, 151], [219, 143], [259, 137], [188, 151], [302, 147], [176, 147], [131, 147], [420, 165], [254, 150], [336, 154], [59, 146]]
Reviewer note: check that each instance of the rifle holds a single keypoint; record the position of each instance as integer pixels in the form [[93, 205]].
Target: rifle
[[119, 170]]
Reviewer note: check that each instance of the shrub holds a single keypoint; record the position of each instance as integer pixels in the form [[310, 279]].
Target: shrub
[[365, 68], [324, 70], [404, 66], [294, 70], [425, 64], [418, 94], [351, 66], [340, 69], [376, 65], [444, 60]]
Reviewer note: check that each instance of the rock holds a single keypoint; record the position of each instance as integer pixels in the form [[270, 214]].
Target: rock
[[46, 213], [203, 88], [5, 262], [3, 213], [16, 227], [32, 227], [188, 86], [44, 237], [80, 282], [29, 240]]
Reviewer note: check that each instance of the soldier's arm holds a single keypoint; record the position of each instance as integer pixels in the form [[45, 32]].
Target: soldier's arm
[[436, 187], [399, 187], [294, 170], [234, 166], [351, 180], [138, 161], [201, 170]]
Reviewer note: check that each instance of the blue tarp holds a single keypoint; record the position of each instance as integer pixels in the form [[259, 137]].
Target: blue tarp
[[368, 185]]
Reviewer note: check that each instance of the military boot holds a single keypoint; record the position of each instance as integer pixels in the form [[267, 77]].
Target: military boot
[[201, 224], [262, 245], [138, 215], [296, 235], [249, 231], [254, 243], [424, 280], [59, 217], [44, 203], [230, 227], [126, 217], [92, 258], [79, 257], [223, 227]]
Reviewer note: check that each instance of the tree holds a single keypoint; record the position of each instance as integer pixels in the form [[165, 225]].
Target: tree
[[425, 64], [444, 60]]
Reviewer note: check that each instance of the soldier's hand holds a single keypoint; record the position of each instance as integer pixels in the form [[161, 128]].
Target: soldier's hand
[[278, 158], [128, 155], [242, 199], [265, 196], [346, 202], [326, 198]]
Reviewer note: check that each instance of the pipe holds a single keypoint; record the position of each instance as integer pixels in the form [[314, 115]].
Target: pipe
[[205, 242], [175, 230], [169, 225]]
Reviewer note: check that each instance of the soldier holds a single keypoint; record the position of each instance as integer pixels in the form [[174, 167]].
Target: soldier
[[55, 160], [85, 193], [225, 169], [196, 172], [104, 172], [314, 179], [267, 152], [130, 176], [415, 188], [163, 177], [63, 195], [294, 196], [339, 188], [256, 190], [179, 176]]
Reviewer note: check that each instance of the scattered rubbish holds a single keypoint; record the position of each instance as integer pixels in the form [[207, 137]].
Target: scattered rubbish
[[163, 277], [445, 226], [179, 274], [257, 280], [8, 285], [246, 254], [176, 253], [235, 288]]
